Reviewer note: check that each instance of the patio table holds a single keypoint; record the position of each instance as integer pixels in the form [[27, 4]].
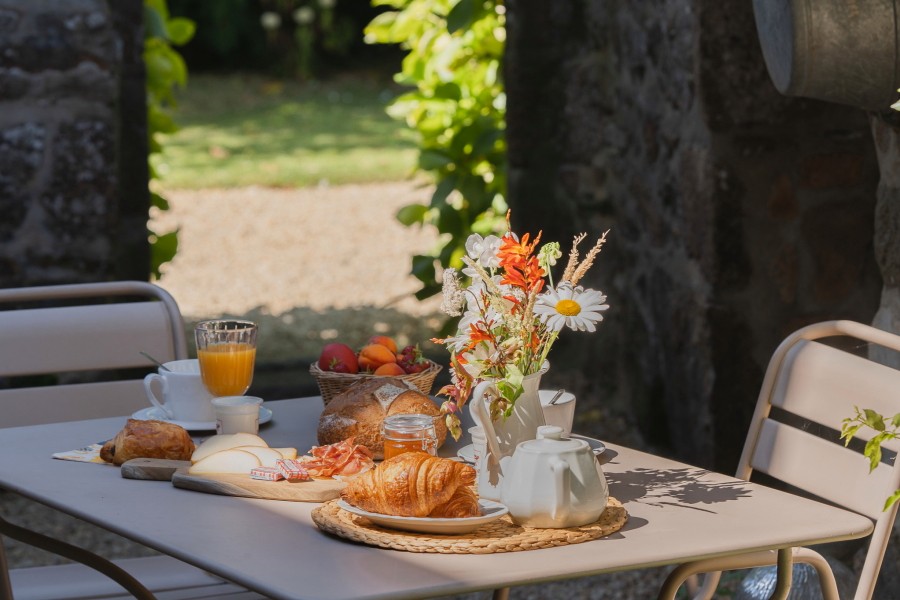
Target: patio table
[[677, 512]]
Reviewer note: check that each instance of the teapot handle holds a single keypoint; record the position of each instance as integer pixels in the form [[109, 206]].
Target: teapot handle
[[562, 485], [482, 417]]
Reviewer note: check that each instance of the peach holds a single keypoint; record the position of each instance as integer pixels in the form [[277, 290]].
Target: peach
[[390, 369], [385, 341], [373, 356]]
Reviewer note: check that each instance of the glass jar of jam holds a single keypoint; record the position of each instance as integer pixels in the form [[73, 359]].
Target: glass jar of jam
[[407, 433]]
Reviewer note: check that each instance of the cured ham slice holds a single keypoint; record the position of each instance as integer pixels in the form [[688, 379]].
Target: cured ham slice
[[338, 460]]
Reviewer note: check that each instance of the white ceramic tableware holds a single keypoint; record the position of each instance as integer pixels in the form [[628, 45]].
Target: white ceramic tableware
[[553, 482], [184, 397], [237, 414], [562, 413], [490, 511]]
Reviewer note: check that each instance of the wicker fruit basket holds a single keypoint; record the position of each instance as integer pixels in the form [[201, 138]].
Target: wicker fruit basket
[[332, 384]]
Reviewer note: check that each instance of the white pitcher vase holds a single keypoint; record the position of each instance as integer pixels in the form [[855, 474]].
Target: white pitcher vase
[[503, 435]]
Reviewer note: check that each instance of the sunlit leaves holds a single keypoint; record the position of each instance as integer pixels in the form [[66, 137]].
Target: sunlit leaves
[[166, 70], [457, 109], [886, 431]]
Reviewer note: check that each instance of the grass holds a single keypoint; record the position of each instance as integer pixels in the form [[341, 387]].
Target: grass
[[241, 130]]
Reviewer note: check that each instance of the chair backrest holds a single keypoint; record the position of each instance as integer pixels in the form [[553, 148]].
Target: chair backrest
[[66, 329], [808, 390]]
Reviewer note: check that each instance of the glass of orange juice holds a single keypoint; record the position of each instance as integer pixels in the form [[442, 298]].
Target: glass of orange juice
[[226, 350]]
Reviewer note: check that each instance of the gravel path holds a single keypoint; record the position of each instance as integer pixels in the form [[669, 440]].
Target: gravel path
[[276, 249]]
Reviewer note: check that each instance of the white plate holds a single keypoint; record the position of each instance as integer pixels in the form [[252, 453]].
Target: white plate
[[152, 412], [467, 453], [490, 511]]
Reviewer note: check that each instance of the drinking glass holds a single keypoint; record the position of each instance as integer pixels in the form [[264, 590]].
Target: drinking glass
[[227, 352]]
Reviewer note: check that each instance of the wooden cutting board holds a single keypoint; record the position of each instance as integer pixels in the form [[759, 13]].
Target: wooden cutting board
[[317, 490]]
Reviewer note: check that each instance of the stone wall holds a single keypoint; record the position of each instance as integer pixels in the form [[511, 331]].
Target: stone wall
[[73, 162], [737, 214]]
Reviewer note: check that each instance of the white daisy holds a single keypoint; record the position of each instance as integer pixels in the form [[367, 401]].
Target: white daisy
[[576, 308]]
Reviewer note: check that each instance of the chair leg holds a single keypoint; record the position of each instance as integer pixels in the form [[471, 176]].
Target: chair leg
[[98, 563], [5, 584]]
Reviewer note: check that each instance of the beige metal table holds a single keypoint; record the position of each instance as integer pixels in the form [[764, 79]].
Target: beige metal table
[[676, 513]]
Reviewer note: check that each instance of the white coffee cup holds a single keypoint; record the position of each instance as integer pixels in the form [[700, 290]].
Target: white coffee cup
[[562, 413], [184, 397], [237, 414]]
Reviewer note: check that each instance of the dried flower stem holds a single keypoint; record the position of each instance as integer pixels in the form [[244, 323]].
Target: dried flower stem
[[589, 259], [573, 258]]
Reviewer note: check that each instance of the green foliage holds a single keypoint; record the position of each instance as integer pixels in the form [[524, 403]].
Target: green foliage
[[887, 430], [454, 53], [165, 71]]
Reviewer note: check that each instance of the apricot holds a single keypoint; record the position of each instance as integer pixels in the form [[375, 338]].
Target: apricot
[[390, 369], [385, 341], [373, 356]]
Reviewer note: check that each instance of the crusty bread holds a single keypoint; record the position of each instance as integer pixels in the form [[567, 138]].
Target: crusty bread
[[359, 411], [148, 439]]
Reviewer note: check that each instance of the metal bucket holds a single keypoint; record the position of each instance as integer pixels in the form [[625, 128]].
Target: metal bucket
[[843, 51]]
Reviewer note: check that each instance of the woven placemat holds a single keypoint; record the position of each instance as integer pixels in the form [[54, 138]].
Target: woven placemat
[[501, 535]]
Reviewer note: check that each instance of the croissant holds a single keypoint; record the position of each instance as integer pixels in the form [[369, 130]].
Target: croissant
[[415, 484], [148, 439]]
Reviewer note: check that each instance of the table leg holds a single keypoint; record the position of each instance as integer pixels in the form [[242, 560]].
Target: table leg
[[501, 594], [785, 574]]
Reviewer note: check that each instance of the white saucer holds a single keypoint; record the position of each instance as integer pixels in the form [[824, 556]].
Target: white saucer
[[467, 453], [152, 412], [490, 511]]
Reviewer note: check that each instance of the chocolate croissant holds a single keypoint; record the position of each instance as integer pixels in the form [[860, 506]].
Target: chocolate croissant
[[148, 439], [415, 484]]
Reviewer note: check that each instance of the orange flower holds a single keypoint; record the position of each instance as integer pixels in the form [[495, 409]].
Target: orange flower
[[521, 267]]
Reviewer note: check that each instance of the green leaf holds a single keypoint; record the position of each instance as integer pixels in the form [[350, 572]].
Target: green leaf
[[443, 189], [412, 214], [154, 22], [847, 433], [423, 268], [874, 420], [431, 160], [461, 15], [873, 452], [180, 30], [891, 500], [162, 250], [449, 221], [158, 201]]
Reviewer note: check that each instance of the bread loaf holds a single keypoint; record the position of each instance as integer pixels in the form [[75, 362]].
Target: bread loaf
[[359, 411], [148, 439]]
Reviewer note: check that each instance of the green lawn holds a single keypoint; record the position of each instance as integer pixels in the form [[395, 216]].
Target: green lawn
[[244, 130]]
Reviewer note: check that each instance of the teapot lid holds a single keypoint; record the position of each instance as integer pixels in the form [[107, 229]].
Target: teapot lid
[[550, 440]]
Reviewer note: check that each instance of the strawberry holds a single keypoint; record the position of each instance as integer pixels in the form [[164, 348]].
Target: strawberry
[[411, 359]]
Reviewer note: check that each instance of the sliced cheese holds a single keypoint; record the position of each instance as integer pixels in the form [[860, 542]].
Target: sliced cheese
[[290, 453], [227, 441], [266, 456], [226, 461]]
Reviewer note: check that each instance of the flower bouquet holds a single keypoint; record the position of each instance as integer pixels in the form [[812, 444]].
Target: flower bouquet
[[512, 313]]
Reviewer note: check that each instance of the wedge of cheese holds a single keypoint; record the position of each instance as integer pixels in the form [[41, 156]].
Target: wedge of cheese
[[226, 461], [266, 456], [227, 441], [287, 452]]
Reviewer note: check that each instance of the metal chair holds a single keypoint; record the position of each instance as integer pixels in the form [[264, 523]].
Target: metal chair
[[57, 333], [808, 390]]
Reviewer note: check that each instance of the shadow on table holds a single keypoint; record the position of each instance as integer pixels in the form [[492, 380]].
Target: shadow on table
[[683, 487]]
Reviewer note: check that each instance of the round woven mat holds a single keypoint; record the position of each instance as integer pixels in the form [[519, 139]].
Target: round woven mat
[[501, 535]]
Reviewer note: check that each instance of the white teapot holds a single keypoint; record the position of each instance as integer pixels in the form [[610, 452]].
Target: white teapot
[[553, 482]]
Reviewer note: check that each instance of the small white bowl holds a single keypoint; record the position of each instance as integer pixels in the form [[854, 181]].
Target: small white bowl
[[560, 414]]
